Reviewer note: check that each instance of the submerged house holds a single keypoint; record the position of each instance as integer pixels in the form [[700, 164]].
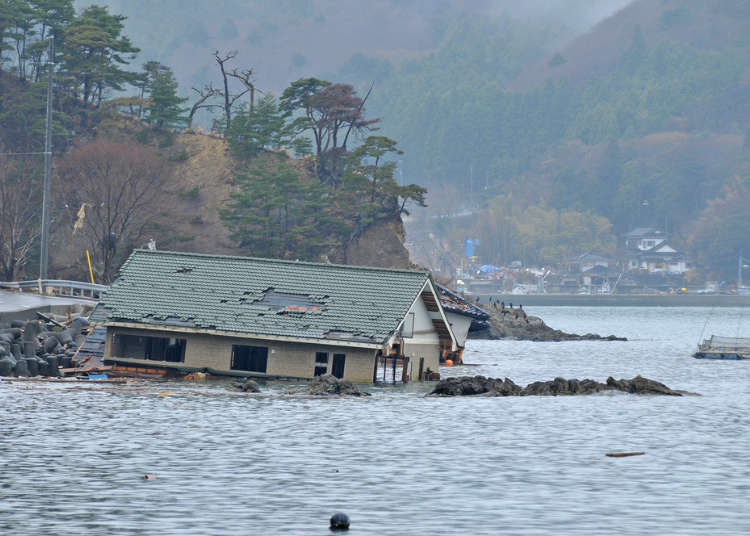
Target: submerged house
[[270, 318]]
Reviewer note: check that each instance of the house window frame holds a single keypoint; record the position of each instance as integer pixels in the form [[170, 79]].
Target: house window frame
[[321, 363], [233, 365], [149, 345]]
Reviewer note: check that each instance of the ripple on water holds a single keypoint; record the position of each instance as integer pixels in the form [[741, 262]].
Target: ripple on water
[[398, 463]]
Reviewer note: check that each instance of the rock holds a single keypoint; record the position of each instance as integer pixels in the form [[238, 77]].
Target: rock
[[20, 324], [641, 385], [6, 366], [31, 330], [51, 368], [30, 348], [327, 384], [16, 350], [22, 369], [51, 344], [64, 337], [479, 385], [517, 325], [249, 386], [32, 366]]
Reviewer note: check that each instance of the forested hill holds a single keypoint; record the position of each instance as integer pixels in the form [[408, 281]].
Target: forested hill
[[642, 121]]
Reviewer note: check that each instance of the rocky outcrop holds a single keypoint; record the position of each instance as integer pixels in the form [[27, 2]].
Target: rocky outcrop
[[30, 349], [381, 245], [514, 323], [329, 385], [248, 386], [480, 385]]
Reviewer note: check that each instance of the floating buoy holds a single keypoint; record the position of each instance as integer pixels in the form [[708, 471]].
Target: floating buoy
[[623, 454], [449, 362], [339, 522]]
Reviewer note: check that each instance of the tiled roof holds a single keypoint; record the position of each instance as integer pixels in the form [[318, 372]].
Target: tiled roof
[[261, 296]]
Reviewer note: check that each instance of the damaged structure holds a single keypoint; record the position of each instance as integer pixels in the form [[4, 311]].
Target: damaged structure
[[245, 316]]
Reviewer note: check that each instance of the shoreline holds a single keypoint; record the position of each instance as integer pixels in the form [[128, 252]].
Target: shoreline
[[617, 300]]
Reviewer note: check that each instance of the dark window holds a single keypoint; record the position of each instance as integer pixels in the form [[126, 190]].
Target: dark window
[[321, 363], [250, 358], [339, 361], [151, 348]]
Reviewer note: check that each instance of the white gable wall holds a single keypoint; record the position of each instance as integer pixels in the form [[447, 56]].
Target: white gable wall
[[460, 326], [423, 343]]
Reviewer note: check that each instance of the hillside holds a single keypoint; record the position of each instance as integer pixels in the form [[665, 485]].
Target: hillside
[[286, 40], [707, 25], [643, 120], [199, 169]]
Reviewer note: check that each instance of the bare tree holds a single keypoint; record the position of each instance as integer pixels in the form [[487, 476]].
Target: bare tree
[[246, 79], [127, 192], [243, 76], [19, 215], [204, 94]]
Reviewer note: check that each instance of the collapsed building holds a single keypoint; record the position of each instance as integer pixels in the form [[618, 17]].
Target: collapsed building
[[245, 316]]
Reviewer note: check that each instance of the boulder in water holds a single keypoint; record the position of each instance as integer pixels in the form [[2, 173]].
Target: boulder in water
[[479, 385], [327, 385]]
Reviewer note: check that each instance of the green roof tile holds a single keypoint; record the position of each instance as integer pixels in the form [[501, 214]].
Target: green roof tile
[[261, 296]]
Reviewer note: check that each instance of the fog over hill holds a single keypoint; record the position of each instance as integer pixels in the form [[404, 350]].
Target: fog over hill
[[286, 39], [613, 114]]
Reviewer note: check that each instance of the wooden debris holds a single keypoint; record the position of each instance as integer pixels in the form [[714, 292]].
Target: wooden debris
[[623, 454]]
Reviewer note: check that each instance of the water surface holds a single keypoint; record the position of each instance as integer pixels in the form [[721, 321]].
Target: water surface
[[72, 460]]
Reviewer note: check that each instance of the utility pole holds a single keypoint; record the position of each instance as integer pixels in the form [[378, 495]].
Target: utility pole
[[44, 257]]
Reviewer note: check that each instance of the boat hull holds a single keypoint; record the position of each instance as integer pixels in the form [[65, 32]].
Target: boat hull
[[728, 356]]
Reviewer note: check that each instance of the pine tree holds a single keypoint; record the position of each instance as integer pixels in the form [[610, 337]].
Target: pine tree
[[275, 214], [163, 110]]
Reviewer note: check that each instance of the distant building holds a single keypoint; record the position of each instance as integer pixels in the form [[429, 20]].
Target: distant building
[[588, 261], [270, 318], [647, 249], [644, 238]]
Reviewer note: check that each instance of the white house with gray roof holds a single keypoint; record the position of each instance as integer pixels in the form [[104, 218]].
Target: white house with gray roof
[[246, 316]]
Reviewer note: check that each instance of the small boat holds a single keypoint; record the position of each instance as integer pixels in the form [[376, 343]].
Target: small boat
[[734, 348]]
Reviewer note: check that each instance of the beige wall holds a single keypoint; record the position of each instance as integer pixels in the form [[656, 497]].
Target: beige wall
[[430, 352], [284, 358]]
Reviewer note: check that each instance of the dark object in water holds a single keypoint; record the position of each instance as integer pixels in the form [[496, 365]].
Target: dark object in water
[[339, 522], [327, 385], [479, 385], [623, 454]]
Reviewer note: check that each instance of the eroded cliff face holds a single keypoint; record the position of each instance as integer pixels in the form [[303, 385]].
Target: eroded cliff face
[[201, 171], [381, 245]]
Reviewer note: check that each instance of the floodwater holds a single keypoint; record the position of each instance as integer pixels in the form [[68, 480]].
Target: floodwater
[[72, 460]]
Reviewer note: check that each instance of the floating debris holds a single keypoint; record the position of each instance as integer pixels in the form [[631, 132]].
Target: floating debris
[[623, 454]]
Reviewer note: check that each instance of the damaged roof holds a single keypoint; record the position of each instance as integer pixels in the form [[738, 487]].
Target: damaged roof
[[261, 296]]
